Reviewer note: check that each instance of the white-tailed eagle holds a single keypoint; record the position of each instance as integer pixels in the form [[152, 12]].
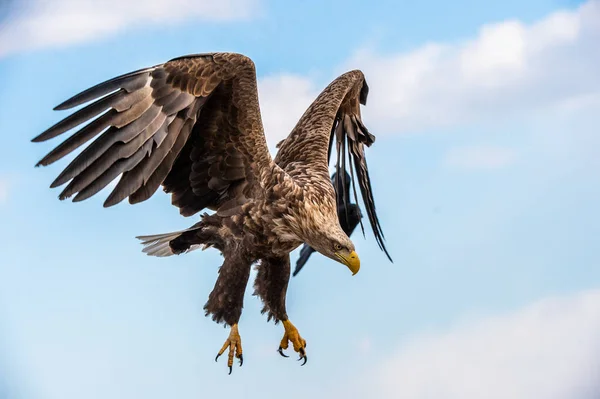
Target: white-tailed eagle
[[193, 126]]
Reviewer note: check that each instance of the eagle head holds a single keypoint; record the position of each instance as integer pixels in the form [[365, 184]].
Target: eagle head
[[330, 240]]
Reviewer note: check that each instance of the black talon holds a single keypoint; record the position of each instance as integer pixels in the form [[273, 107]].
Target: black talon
[[303, 356], [241, 360], [280, 350], [217, 358], [230, 368]]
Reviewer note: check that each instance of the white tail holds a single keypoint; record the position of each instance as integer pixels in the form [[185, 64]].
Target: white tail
[[158, 244]]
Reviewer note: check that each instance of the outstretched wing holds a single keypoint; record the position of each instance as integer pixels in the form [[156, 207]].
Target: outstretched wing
[[334, 117], [191, 124]]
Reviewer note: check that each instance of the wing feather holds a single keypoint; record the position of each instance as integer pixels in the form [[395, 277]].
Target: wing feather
[[129, 82], [335, 117], [122, 165], [146, 123], [160, 173]]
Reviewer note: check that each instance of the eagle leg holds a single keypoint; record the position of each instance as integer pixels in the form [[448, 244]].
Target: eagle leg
[[271, 286], [292, 335], [226, 300], [234, 344]]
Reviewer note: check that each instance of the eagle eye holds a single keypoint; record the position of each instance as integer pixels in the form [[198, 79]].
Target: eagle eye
[[337, 247]]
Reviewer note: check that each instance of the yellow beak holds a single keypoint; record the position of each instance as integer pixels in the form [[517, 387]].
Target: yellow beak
[[351, 260]]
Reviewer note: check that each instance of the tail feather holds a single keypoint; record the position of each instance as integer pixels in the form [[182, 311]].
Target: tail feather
[[159, 244]]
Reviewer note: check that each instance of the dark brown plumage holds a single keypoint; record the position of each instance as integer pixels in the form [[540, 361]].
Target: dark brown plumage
[[193, 125]]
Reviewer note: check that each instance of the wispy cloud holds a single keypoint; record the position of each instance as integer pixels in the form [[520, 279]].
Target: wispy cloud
[[283, 100], [547, 350], [509, 68], [479, 157], [48, 23]]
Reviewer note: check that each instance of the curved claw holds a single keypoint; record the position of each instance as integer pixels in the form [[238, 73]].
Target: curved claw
[[234, 346], [241, 357], [303, 356], [280, 350]]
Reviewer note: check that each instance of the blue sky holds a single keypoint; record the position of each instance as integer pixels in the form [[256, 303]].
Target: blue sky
[[485, 172]]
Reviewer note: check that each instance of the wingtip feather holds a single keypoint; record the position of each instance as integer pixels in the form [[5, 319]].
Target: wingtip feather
[[62, 106]]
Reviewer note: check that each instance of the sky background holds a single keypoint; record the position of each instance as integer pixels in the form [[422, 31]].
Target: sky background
[[485, 172]]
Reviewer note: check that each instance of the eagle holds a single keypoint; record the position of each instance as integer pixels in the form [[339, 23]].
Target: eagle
[[348, 214], [193, 126]]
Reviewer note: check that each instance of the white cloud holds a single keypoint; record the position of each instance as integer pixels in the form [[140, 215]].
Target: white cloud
[[47, 23], [479, 157], [547, 350], [508, 69], [283, 100]]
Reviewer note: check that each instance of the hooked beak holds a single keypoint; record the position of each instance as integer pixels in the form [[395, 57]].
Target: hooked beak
[[351, 260]]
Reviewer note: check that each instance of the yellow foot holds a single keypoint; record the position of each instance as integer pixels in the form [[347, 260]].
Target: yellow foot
[[292, 335], [234, 343]]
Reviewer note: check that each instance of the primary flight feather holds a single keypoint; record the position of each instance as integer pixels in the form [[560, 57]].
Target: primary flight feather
[[193, 126]]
